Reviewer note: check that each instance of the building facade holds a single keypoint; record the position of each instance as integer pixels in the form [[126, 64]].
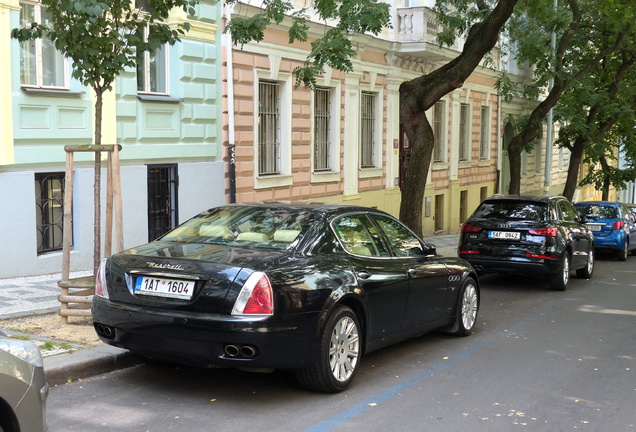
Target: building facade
[[165, 114]]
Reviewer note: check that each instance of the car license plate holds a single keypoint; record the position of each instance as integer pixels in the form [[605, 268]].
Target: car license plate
[[595, 227], [160, 287], [504, 235]]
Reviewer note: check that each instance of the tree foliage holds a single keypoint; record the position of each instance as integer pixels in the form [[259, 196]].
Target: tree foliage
[[102, 38], [585, 33], [333, 49]]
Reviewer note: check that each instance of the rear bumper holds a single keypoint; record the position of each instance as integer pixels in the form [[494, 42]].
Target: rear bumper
[[202, 339], [614, 241], [514, 265]]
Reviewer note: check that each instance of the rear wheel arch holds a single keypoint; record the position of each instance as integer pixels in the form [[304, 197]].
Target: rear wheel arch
[[8, 420]]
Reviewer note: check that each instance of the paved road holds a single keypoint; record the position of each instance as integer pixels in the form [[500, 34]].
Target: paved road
[[539, 360]]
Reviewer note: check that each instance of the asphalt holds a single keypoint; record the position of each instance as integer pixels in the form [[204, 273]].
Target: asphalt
[[37, 295]]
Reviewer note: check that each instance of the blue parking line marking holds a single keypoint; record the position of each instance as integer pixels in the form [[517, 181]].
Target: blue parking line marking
[[386, 395]]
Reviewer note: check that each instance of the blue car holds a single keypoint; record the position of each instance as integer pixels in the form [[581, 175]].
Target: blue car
[[613, 225]]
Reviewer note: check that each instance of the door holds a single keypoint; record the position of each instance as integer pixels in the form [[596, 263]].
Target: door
[[162, 200], [382, 279], [428, 278]]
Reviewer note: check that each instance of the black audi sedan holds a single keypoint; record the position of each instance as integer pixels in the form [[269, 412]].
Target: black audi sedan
[[308, 287], [537, 235]]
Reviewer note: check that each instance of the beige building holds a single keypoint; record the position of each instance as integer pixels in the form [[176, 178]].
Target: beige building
[[342, 142]]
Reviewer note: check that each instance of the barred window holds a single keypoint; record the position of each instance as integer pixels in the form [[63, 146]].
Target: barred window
[[484, 139], [49, 203], [464, 132], [268, 128], [367, 133], [322, 129]]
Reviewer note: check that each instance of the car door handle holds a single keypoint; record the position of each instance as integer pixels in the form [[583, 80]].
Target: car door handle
[[363, 274], [412, 272]]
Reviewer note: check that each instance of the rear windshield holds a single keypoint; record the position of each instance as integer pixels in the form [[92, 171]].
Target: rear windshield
[[598, 211], [512, 210], [274, 228]]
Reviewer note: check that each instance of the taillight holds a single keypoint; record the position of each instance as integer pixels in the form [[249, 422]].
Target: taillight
[[256, 297], [618, 225], [101, 289], [470, 228], [545, 232], [471, 252]]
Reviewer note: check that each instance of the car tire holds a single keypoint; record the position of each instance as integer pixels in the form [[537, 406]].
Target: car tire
[[467, 308], [339, 355], [622, 254], [586, 272], [560, 279]]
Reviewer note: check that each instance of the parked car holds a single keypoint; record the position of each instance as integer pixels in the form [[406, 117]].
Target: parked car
[[536, 235], [632, 208], [23, 386], [310, 287], [613, 225]]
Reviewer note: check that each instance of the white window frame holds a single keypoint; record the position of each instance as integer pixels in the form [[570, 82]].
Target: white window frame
[[284, 177], [37, 48], [484, 132], [320, 121], [146, 83], [439, 132], [376, 127], [465, 128]]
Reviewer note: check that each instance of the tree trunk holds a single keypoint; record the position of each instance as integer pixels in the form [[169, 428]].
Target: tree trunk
[[576, 156], [607, 182], [418, 95], [97, 185]]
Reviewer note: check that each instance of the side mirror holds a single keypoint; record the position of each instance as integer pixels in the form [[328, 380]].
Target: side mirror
[[426, 250]]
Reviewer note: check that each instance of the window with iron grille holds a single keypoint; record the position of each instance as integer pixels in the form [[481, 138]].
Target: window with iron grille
[[484, 139], [268, 128], [49, 207], [322, 129], [162, 199], [464, 132], [367, 132], [438, 132]]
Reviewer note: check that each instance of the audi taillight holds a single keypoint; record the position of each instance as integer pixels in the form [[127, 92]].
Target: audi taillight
[[470, 228], [101, 289], [618, 225], [545, 232], [256, 298]]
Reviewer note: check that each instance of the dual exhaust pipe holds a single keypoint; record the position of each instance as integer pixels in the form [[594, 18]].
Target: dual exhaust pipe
[[105, 331], [240, 351]]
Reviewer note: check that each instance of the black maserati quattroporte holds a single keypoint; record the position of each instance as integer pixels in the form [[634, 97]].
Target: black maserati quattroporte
[[309, 287]]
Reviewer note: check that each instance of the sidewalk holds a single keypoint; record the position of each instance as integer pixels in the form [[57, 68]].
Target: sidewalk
[[37, 295]]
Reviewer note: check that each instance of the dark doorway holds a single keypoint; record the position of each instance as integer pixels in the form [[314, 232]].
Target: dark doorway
[[162, 200]]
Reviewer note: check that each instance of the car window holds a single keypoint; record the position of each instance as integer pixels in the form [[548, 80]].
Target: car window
[[258, 227], [359, 236], [512, 210], [567, 211], [401, 240], [597, 211]]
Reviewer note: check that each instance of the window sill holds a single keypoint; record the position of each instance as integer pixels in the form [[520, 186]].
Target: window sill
[[484, 162], [325, 176], [438, 166], [369, 172], [158, 98], [36, 91], [273, 181]]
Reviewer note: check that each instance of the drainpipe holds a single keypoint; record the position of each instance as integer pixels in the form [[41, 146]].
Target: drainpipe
[[231, 146]]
